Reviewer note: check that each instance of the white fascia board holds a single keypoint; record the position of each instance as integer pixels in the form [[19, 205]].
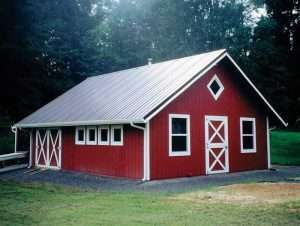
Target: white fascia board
[[214, 63], [76, 123], [258, 92]]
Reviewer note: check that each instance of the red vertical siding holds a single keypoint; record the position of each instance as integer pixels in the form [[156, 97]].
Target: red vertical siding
[[197, 101], [119, 161]]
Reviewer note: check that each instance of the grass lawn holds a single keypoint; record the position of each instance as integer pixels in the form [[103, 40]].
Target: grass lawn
[[42, 204], [285, 147]]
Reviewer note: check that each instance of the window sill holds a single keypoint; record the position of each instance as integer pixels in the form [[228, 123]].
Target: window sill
[[179, 153], [248, 151]]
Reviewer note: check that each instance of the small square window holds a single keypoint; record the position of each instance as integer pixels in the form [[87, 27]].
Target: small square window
[[248, 135], [80, 135], [103, 133], [116, 135], [91, 135], [215, 87]]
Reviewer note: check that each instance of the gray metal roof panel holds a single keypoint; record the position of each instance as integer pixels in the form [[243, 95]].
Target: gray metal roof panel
[[123, 95]]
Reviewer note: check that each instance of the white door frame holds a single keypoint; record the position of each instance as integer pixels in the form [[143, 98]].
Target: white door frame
[[44, 152], [209, 144]]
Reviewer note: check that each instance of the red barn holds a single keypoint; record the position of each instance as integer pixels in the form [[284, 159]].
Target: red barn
[[192, 116]]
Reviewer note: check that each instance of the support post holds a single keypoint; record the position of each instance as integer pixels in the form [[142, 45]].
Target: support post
[[268, 142], [16, 140], [30, 150]]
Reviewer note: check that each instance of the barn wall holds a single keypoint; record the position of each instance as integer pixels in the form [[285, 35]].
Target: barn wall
[[198, 102], [119, 161]]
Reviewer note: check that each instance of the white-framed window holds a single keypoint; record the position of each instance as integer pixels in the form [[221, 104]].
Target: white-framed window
[[91, 135], [103, 135], [179, 135], [248, 135], [116, 135], [215, 87], [80, 135]]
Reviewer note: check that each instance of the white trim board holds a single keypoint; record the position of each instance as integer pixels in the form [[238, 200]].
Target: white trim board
[[197, 77]]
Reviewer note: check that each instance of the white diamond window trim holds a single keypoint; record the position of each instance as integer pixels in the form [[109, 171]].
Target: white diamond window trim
[[215, 87]]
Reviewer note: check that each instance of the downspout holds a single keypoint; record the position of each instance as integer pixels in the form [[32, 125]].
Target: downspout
[[145, 129]]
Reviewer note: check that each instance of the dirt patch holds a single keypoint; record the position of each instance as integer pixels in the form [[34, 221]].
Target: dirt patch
[[247, 193]]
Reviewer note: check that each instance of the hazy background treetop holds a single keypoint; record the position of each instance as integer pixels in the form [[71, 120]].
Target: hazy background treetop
[[48, 46]]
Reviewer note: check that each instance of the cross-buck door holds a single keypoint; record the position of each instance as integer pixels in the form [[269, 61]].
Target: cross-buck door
[[48, 148], [216, 144]]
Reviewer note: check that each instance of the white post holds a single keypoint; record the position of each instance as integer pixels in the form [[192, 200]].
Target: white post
[[30, 150], [268, 142], [16, 140]]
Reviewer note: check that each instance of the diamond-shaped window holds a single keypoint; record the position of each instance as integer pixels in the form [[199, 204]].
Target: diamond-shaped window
[[215, 87]]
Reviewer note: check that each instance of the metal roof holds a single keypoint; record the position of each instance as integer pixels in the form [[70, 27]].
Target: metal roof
[[122, 96]]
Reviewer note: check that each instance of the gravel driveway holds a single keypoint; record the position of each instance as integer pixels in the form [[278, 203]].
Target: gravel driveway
[[91, 182]]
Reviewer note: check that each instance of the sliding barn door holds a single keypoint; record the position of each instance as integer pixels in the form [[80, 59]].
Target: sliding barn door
[[48, 148]]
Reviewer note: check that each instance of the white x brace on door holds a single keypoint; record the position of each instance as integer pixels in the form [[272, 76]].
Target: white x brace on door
[[48, 148], [216, 144]]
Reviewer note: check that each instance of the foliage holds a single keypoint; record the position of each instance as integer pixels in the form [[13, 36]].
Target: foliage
[[6, 144], [48, 46], [42, 204], [285, 148]]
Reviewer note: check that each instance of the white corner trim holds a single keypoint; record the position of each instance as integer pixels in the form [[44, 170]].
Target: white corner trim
[[253, 134], [88, 141], [113, 142], [100, 141], [268, 142], [218, 81], [78, 142], [258, 92], [187, 152]]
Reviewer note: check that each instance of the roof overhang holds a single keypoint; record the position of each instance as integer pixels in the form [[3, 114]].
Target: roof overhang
[[222, 56], [77, 123]]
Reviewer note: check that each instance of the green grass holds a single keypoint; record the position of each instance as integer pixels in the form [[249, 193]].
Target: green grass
[[285, 148], [42, 204]]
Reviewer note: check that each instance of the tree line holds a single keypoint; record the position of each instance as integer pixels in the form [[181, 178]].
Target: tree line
[[48, 46]]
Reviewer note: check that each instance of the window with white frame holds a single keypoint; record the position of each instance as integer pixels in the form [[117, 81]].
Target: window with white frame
[[116, 135], [91, 135], [215, 87], [80, 135], [248, 135], [103, 135], [179, 135]]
